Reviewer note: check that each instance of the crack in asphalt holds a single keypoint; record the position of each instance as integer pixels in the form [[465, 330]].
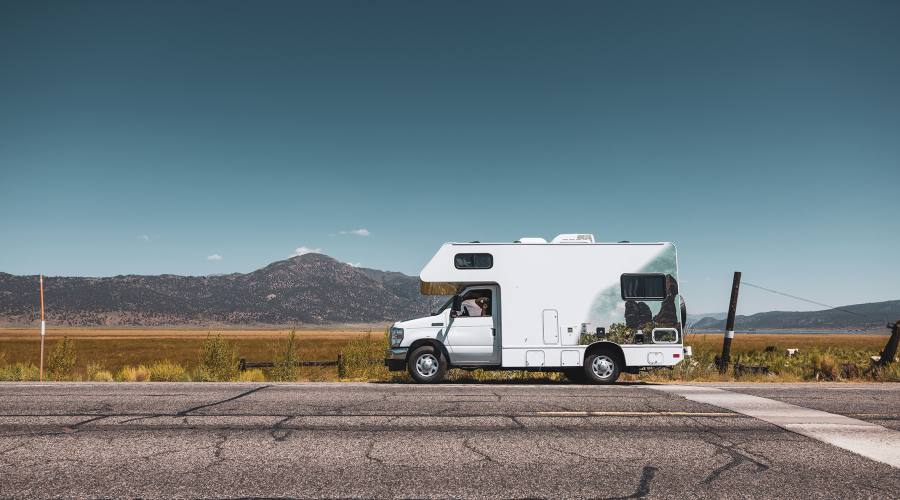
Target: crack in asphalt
[[643, 489], [738, 457], [278, 433], [239, 396], [468, 445], [369, 453], [74, 427], [217, 448], [736, 454], [145, 417], [339, 410]]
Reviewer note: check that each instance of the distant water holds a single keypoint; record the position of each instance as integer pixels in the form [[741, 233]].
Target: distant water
[[800, 332]]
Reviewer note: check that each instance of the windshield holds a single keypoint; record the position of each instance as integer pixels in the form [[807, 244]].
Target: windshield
[[441, 309]]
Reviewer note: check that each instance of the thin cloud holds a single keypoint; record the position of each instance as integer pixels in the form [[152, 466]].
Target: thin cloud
[[215, 256], [304, 250], [357, 232], [143, 237], [353, 264]]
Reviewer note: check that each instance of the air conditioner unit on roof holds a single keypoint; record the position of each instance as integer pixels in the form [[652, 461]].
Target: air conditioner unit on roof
[[574, 238]]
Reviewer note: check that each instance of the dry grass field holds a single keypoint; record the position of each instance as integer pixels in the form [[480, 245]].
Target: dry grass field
[[759, 341], [114, 349], [822, 357]]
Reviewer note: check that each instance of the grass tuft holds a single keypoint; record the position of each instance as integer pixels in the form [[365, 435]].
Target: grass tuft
[[19, 372], [134, 374], [102, 376], [254, 375], [167, 371]]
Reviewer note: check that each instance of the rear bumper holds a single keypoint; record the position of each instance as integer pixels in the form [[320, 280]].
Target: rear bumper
[[395, 358]]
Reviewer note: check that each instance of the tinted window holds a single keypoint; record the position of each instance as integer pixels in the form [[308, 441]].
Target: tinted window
[[473, 261], [643, 286]]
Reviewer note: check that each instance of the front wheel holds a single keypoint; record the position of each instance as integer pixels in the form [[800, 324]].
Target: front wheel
[[602, 368], [427, 365]]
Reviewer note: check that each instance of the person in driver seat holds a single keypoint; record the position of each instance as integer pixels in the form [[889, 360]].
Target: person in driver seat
[[470, 307], [485, 304]]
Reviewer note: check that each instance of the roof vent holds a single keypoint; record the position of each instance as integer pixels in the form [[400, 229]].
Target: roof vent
[[574, 238], [532, 240]]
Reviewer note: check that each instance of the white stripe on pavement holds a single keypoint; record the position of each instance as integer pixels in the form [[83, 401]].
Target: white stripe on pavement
[[863, 438], [635, 414]]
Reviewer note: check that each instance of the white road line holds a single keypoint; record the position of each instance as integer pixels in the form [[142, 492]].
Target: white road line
[[636, 414], [860, 437]]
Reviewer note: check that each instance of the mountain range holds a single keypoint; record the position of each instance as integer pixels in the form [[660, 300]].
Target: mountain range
[[873, 315], [310, 289], [307, 289]]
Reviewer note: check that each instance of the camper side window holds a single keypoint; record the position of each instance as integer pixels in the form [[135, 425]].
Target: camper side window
[[473, 261], [643, 287]]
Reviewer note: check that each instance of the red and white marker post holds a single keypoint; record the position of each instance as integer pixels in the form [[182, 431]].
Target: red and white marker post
[[43, 327]]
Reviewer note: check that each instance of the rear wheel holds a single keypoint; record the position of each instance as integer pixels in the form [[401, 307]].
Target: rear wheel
[[427, 365], [602, 368]]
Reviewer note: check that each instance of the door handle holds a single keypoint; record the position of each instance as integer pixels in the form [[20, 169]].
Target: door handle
[[493, 332]]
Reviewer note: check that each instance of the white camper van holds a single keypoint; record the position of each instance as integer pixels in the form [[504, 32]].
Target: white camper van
[[591, 310]]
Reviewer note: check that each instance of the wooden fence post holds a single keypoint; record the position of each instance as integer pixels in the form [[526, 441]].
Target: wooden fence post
[[340, 364]]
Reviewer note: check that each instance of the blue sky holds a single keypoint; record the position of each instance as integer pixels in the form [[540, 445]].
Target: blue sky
[[146, 137]]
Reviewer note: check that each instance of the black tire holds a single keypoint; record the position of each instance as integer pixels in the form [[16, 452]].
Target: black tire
[[575, 375], [427, 365], [602, 367]]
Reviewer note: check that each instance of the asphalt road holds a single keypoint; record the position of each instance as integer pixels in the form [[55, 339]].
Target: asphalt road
[[396, 440]]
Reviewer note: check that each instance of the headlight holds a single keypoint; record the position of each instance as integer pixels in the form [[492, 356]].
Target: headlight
[[396, 337]]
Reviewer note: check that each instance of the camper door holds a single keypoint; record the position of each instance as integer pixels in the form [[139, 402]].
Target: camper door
[[472, 330]]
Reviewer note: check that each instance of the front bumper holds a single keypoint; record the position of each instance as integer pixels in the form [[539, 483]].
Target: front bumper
[[395, 358]]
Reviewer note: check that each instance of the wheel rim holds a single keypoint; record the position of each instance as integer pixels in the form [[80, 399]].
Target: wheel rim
[[603, 366], [427, 365]]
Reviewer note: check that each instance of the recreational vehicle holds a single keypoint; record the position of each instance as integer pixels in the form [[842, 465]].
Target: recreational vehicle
[[590, 310]]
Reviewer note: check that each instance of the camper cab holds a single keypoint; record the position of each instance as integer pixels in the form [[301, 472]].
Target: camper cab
[[591, 310]]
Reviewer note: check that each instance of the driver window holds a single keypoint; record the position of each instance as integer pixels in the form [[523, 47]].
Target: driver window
[[475, 303]]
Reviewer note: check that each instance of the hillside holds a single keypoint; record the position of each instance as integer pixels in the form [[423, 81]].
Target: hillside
[[870, 315], [308, 289]]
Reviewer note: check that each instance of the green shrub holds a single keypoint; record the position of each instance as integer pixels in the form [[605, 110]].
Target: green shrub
[[287, 355], [218, 361], [166, 371], [134, 374], [364, 358], [61, 361], [19, 372]]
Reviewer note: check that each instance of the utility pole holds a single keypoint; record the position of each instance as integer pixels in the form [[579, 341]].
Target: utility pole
[[729, 324], [43, 328], [890, 349]]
